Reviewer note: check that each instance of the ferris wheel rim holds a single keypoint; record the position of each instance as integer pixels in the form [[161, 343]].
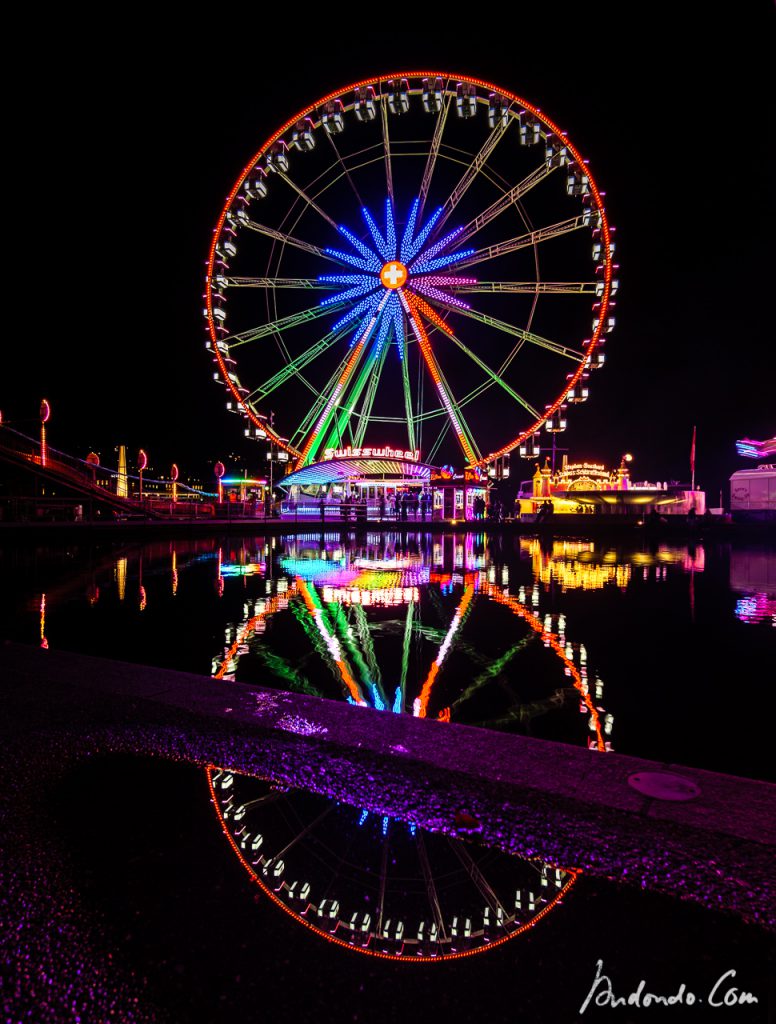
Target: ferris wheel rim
[[379, 80]]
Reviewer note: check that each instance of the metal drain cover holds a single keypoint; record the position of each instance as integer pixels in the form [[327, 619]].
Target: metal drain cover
[[664, 786]]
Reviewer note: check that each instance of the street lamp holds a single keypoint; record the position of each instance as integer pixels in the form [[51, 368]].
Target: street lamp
[[219, 469], [142, 462], [45, 413]]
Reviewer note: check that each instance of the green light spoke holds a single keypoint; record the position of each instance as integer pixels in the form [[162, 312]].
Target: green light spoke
[[504, 202], [495, 377], [321, 427], [492, 670], [368, 647], [405, 652], [405, 377], [438, 443], [366, 409], [298, 364], [319, 404], [342, 627], [518, 332], [285, 323], [346, 406], [522, 241]]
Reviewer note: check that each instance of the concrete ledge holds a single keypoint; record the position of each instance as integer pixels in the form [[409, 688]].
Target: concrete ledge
[[570, 806]]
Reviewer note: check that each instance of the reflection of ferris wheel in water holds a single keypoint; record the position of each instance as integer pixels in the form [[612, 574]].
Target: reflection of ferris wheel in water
[[407, 261], [378, 885]]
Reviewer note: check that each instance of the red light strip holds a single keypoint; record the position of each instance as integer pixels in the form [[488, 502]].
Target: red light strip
[[460, 612]]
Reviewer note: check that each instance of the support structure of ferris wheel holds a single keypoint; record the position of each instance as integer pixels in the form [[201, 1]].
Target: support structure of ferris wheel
[[313, 298]]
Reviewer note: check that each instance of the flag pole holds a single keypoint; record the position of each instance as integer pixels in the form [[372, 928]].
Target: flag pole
[[692, 459]]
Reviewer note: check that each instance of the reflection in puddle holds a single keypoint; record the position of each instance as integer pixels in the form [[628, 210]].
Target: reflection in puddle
[[378, 885]]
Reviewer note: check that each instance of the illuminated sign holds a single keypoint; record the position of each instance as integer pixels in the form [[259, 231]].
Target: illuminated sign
[[584, 469], [370, 453]]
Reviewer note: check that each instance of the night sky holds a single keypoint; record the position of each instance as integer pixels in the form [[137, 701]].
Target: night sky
[[122, 162]]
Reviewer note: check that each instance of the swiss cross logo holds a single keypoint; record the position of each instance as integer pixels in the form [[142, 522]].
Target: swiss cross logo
[[393, 275]]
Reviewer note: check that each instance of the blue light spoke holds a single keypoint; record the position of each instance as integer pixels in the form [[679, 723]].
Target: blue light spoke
[[385, 326], [439, 246], [365, 251], [417, 245], [406, 241], [372, 264], [345, 278], [352, 293], [377, 238], [390, 231], [442, 261], [368, 305]]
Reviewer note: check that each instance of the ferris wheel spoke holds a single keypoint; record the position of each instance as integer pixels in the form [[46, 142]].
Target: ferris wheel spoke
[[438, 322], [298, 364], [405, 655], [438, 443], [428, 878], [433, 153], [310, 283], [310, 202], [527, 287], [522, 241], [285, 323], [286, 239], [505, 202], [478, 162], [366, 410], [347, 405], [405, 378], [472, 870], [313, 441], [465, 439], [317, 405], [535, 339], [345, 170], [386, 148]]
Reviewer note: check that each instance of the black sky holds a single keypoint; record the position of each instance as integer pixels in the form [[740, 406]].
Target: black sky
[[124, 152]]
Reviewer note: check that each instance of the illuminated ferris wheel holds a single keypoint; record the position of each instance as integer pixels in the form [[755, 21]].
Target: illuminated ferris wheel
[[419, 260]]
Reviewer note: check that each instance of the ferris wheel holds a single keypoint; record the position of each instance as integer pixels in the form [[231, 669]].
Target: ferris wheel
[[420, 260]]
